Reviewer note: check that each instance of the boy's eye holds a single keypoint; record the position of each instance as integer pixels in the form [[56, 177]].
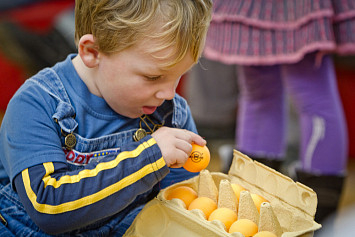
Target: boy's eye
[[153, 78]]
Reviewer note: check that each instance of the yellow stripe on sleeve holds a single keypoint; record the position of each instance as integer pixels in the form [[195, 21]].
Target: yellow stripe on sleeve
[[48, 180], [93, 198]]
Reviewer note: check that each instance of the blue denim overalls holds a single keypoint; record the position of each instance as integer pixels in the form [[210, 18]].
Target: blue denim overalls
[[14, 219]]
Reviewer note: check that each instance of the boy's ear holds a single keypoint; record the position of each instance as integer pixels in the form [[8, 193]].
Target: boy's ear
[[88, 51]]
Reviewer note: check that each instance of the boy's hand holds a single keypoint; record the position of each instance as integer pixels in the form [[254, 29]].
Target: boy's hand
[[175, 144]]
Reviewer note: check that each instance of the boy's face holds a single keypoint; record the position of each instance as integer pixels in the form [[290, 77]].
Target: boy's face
[[134, 83]]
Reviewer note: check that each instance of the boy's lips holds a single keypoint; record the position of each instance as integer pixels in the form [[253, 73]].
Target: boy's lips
[[149, 109]]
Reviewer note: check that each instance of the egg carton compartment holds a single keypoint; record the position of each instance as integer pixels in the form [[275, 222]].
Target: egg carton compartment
[[292, 205]]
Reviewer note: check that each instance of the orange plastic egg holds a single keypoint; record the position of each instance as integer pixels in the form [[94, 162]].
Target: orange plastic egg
[[237, 189], [205, 204], [257, 200], [198, 159], [247, 227], [225, 215], [184, 193]]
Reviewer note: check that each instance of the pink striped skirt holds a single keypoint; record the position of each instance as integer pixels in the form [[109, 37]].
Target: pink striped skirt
[[266, 32]]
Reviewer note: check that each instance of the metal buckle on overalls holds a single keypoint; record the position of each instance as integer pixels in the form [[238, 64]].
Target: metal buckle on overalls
[[69, 138], [141, 132]]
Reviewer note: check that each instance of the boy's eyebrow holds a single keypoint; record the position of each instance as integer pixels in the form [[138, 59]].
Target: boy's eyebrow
[[152, 70]]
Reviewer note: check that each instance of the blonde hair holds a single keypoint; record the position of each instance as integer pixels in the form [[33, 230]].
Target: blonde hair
[[119, 24]]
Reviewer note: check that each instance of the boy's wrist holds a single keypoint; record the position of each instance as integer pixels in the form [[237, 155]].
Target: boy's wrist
[[155, 157]]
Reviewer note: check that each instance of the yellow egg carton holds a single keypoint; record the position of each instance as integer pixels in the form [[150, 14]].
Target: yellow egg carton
[[289, 211]]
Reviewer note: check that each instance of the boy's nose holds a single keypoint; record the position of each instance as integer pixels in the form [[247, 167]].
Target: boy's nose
[[166, 93]]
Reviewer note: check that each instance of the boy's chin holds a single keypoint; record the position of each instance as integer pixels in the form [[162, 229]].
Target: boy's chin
[[133, 115]]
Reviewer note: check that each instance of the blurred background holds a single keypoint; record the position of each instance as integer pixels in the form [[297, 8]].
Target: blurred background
[[33, 34], [38, 33]]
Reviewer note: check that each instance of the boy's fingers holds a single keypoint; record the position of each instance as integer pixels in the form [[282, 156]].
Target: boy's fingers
[[200, 141], [180, 159], [195, 138], [184, 146]]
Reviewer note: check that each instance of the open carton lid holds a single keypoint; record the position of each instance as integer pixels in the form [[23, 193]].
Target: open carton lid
[[293, 204]]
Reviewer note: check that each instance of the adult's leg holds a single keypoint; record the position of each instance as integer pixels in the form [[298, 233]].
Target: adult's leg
[[323, 129], [261, 128]]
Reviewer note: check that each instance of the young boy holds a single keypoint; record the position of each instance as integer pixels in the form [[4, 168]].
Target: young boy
[[86, 143]]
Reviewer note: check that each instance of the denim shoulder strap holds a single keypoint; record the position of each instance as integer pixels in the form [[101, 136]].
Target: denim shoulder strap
[[180, 111], [49, 81], [176, 109]]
